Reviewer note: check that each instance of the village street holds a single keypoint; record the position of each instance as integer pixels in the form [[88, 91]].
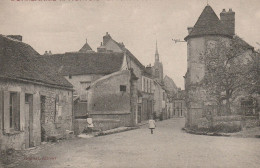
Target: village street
[[168, 147]]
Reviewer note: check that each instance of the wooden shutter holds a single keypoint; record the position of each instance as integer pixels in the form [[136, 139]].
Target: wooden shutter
[[6, 112], [1, 109], [22, 116], [17, 112]]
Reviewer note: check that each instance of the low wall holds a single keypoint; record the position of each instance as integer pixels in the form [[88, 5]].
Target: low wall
[[251, 121], [220, 123], [233, 123], [104, 121]]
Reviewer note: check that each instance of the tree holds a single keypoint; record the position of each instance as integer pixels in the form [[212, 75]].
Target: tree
[[228, 71]]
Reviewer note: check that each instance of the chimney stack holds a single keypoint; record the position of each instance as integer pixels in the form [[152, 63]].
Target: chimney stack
[[228, 19], [189, 29], [106, 38]]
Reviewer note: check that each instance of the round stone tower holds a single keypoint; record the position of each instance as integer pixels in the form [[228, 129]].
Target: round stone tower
[[205, 33]]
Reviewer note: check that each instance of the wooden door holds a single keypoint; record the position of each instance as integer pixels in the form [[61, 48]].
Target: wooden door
[[29, 120]]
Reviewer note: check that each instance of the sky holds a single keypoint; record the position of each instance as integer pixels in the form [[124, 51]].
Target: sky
[[64, 25]]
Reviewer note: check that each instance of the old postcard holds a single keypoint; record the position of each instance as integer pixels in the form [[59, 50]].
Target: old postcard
[[129, 83]]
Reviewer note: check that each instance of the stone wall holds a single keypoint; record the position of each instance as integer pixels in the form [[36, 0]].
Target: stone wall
[[106, 101], [58, 113], [105, 94], [196, 94]]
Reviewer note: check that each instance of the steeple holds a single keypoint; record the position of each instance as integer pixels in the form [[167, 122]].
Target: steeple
[[156, 53]]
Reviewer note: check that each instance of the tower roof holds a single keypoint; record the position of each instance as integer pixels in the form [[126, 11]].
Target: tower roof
[[156, 53], [208, 24], [85, 47]]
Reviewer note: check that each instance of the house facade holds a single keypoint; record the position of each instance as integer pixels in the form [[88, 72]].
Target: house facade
[[144, 83], [114, 97], [82, 69], [35, 102]]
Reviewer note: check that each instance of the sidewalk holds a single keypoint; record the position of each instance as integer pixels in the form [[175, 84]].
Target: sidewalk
[[247, 133]]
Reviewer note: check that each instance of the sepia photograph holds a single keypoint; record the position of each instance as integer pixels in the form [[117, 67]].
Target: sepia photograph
[[130, 84]]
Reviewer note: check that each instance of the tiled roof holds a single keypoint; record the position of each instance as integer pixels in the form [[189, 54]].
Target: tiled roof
[[86, 63], [208, 24], [128, 53], [85, 48], [242, 42], [19, 61]]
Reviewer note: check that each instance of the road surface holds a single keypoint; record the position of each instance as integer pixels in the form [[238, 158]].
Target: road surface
[[168, 147]]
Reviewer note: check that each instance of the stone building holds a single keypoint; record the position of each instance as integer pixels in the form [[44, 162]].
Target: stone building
[[35, 102], [207, 31], [179, 106], [95, 76], [144, 83], [113, 98], [159, 101], [82, 69], [157, 67]]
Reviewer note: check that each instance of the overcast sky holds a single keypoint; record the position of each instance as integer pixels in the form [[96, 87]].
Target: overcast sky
[[64, 25]]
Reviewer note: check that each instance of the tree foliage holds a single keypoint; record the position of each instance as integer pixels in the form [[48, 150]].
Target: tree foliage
[[229, 70]]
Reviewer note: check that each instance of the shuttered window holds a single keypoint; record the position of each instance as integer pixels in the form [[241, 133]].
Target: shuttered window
[[11, 114], [14, 111]]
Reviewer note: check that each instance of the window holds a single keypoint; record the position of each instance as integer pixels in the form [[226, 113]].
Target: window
[[147, 86], [122, 88], [143, 83], [14, 112], [157, 73], [248, 106], [42, 117]]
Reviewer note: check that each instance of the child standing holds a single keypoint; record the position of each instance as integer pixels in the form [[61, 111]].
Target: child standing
[[151, 125]]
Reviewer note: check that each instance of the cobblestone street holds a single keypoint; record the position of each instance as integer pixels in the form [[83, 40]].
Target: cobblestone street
[[168, 147]]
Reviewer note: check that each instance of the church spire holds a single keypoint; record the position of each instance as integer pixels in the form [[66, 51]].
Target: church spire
[[156, 53]]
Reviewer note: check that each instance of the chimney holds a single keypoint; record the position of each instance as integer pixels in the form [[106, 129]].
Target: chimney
[[101, 48], [50, 52], [16, 37], [228, 19], [189, 29], [106, 38], [46, 53]]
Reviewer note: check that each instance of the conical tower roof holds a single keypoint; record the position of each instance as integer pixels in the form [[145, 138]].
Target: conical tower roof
[[208, 24]]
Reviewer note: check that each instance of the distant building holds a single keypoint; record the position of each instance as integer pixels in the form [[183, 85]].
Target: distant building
[[157, 67], [35, 102], [179, 105], [86, 48]]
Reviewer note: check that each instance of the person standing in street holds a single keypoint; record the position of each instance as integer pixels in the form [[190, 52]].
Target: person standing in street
[[152, 125]]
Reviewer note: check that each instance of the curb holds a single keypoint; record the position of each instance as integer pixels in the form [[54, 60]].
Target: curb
[[108, 132], [205, 133]]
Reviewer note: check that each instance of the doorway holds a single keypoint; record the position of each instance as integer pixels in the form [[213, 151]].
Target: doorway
[[42, 119], [29, 120]]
